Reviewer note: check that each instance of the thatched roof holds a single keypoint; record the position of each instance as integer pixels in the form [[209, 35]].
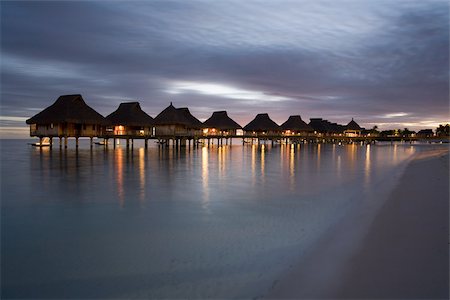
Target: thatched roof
[[296, 123], [170, 116], [68, 109], [220, 120], [177, 116], [130, 114], [318, 124], [324, 126], [193, 122], [352, 125], [262, 122]]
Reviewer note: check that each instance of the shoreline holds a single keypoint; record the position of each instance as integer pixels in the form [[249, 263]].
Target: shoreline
[[402, 252]]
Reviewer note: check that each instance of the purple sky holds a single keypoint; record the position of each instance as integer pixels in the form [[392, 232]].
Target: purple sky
[[383, 63]]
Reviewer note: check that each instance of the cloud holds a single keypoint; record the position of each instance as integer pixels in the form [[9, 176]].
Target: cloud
[[337, 60]]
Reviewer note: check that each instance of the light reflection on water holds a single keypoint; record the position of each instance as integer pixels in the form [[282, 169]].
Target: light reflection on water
[[203, 222]]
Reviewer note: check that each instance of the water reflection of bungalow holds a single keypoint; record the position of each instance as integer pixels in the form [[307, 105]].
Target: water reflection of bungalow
[[296, 126], [130, 119], [220, 124], [352, 129], [177, 122], [262, 125], [68, 117]]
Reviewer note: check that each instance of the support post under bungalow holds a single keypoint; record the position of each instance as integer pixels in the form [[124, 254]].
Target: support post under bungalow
[[146, 143], [65, 142], [60, 142], [92, 141], [132, 143], [128, 143], [105, 142], [40, 141], [51, 142]]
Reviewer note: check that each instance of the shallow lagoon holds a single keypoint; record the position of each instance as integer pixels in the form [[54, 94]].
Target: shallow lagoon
[[206, 222]]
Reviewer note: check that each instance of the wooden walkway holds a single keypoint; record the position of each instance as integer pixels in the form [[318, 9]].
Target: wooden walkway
[[194, 141]]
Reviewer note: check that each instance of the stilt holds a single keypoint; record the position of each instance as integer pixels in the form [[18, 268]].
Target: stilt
[[65, 142], [132, 143], [209, 140], [60, 142], [40, 140], [51, 142], [146, 143], [92, 141], [76, 142], [128, 143], [105, 142]]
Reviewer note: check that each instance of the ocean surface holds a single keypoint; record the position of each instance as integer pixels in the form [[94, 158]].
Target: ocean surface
[[218, 222]]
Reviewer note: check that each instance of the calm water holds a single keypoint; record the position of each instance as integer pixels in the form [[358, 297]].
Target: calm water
[[206, 222]]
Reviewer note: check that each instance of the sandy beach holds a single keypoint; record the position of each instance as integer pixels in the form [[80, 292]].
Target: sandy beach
[[400, 253]]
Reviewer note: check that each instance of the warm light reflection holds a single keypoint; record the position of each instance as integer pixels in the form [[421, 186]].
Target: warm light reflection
[[119, 175], [263, 161], [253, 164], [367, 166], [205, 175], [395, 154], [338, 166], [352, 155], [142, 174], [319, 150], [292, 166]]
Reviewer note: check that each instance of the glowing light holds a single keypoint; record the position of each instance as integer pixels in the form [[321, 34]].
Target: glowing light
[[222, 90], [119, 130]]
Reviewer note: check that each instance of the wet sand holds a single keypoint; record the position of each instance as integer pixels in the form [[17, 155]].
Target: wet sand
[[402, 254]]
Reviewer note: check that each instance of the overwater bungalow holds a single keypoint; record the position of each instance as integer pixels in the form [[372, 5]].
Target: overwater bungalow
[[262, 125], [170, 122], [220, 124], [68, 117], [325, 127], [177, 122], [130, 120], [352, 129], [424, 133], [194, 126], [294, 125]]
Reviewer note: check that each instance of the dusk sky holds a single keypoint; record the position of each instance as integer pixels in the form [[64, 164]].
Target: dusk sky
[[382, 63]]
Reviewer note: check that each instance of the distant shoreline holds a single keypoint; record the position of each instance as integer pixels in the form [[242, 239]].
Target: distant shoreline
[[402, 254]]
